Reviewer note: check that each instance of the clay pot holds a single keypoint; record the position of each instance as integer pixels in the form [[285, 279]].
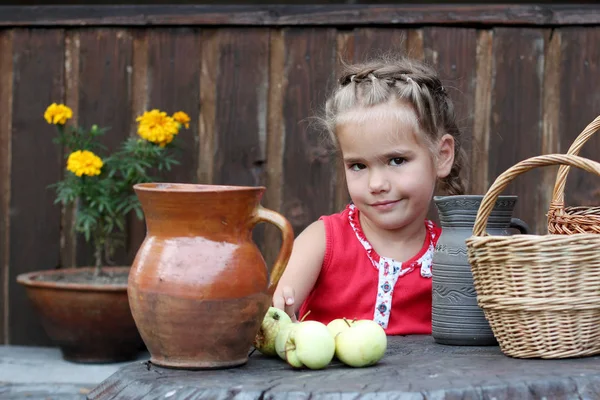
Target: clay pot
[[456, 318], [90, 323], [199, 286]]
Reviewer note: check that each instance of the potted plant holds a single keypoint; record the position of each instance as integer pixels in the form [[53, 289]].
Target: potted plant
[[85, 310]]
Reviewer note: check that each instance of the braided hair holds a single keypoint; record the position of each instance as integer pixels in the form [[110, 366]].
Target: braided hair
[[380, 81]]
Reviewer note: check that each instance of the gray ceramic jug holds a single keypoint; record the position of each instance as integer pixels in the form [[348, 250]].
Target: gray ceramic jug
[[456, 317]]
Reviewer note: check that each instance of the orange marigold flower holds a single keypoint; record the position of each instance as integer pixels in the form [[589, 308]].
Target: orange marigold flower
[[58, 114], [84, 162], [157, 127], [182, 118]]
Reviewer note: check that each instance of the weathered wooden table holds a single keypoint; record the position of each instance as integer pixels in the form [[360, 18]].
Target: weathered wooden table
[[415, 367]]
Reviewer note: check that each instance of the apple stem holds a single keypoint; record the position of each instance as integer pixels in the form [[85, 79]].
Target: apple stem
[[346, 321], [290, 348], [253, 350], [305, 315]]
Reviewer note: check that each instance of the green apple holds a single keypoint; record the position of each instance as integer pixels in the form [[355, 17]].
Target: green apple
[[274, 319], [335, 326], [364, 343], [282, 338], [309, 344]]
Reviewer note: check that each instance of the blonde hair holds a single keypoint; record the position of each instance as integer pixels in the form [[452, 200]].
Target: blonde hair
[[383, 80]]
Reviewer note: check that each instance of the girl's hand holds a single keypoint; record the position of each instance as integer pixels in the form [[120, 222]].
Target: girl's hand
[[284, 300], [302, 269]]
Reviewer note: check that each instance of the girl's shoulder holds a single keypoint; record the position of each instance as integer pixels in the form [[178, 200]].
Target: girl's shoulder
[[339, 216], [337, 223]]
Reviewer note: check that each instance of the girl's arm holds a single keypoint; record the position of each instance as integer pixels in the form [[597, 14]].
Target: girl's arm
[[302, 270]]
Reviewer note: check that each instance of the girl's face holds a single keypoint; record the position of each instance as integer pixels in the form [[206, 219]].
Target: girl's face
[[390, 171]]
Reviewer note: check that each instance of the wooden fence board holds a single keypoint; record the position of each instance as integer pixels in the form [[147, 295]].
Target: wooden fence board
[[241, 107], [286, 15], [550, 115], [242, 92], [105, 59], [252, 93], [307, 168], [209, 71], [375, 42], [136, 229], [68, 236], [480, 144], [516, 115], [579, 105], [452, 52], [345, 53], [173, 85], [38, 80], [275, 142], [168, 63], [6, 95]]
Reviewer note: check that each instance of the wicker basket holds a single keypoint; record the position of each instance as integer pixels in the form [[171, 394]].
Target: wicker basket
[[569, 220], [540, 293]]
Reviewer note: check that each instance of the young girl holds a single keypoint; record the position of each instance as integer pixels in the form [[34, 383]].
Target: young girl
[[394, 126]]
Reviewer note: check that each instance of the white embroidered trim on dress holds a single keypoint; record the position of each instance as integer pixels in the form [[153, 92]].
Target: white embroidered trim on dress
[[390, 270]]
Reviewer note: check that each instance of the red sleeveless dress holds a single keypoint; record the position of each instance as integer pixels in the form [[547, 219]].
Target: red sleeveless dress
[[355, 282]]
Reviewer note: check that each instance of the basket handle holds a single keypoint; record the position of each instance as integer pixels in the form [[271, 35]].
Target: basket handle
[[558, 195], [489, 200]]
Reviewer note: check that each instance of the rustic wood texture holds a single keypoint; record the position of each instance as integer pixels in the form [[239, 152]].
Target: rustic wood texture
[[515, 132], [208, 92], [253, 91], [242, 97], [68, 239], [136, 229], [6, 72], [309, 68], [275, 143], [242, 85], [480, 145], [345, 50], [36, 162], [169, 81], [173, 85], [551, 114], [105, 58], [334, 14], [369, 43], [452, 52], [46, 391], [580, 104], [435, 371], [414, 44]]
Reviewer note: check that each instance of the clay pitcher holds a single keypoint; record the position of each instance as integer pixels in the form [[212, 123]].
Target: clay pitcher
[[199, 287], [456, 317]]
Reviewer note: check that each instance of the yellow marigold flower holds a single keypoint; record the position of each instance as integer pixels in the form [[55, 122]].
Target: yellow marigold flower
[[157, 127], [182, 118], [58, 114], [84, 162]]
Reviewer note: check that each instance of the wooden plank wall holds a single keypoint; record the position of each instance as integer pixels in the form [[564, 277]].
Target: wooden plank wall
[[251, 91]]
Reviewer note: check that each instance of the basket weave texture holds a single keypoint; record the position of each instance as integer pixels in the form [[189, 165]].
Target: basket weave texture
[[579, 219], [540, 293]]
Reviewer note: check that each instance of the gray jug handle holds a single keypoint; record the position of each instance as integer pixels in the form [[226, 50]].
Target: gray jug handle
[[520, 225]]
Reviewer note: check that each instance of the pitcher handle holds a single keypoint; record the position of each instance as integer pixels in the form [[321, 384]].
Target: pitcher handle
[[520, 225], [287, 234]]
